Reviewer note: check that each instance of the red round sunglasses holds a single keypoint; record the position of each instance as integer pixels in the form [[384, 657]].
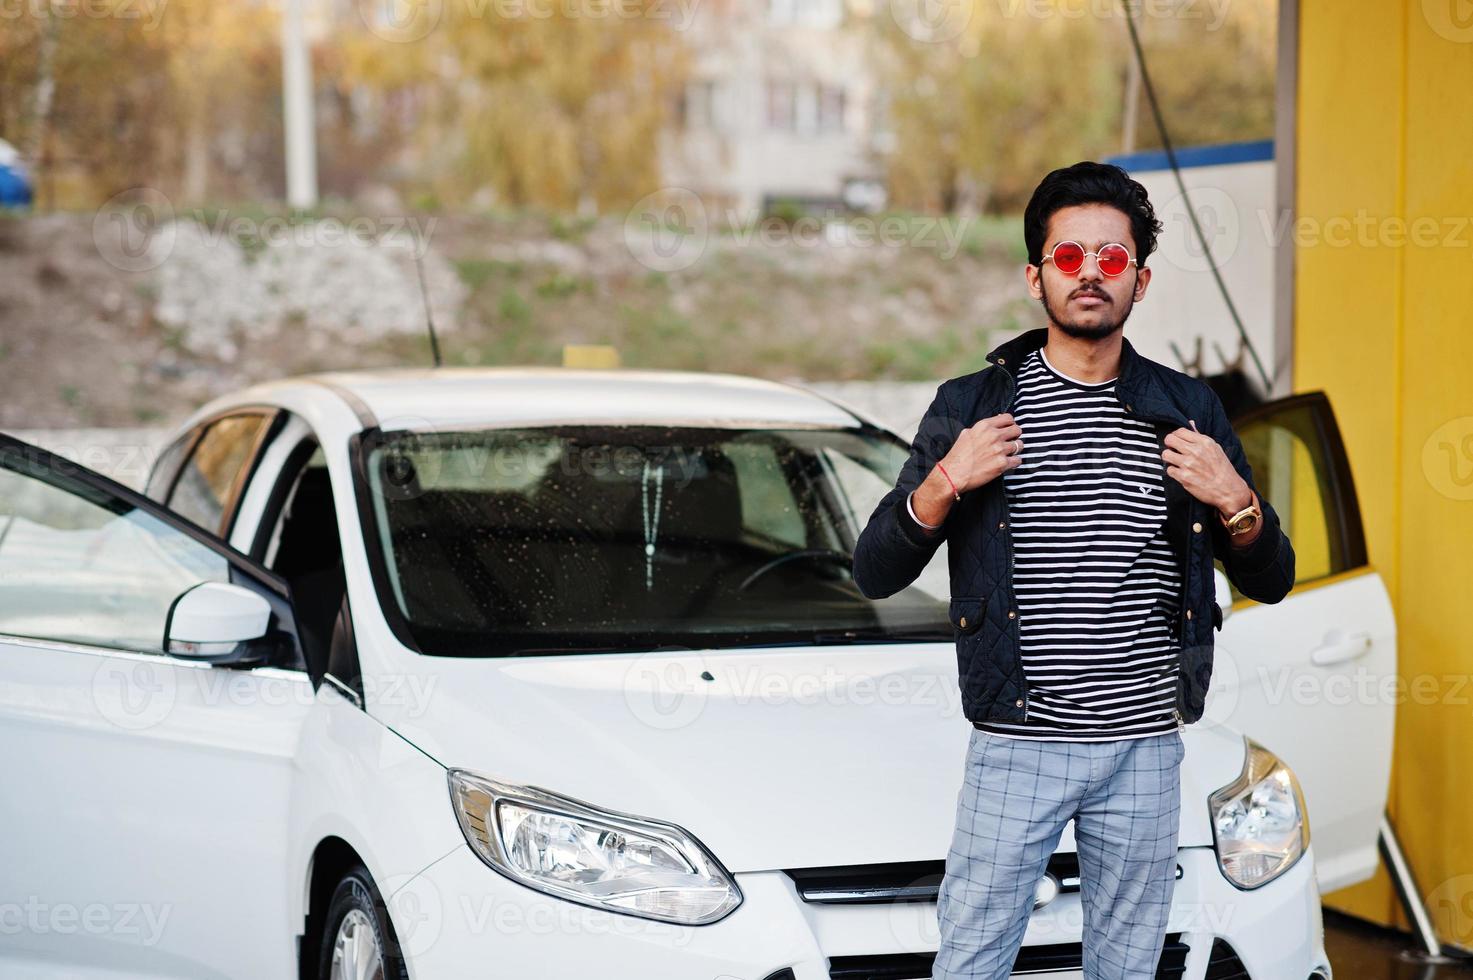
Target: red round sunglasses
[[1113, 258]]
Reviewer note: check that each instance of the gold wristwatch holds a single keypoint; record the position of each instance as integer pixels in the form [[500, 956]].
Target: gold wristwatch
[[1244, 520]]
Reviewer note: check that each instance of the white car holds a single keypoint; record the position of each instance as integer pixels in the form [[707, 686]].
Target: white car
[[561, 673]]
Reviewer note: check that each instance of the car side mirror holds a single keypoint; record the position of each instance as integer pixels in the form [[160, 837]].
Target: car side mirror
[[219, 623], [1222, 593]]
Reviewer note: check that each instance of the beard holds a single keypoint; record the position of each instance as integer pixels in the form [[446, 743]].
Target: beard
[[1059, 317]]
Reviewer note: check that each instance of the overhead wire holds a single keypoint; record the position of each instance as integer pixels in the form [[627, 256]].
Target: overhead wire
[[1160, 120]]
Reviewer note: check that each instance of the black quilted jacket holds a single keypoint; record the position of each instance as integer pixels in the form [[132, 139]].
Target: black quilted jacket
[[893, 550]]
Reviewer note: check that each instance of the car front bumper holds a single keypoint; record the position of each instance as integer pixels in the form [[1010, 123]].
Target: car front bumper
[[458, 918]]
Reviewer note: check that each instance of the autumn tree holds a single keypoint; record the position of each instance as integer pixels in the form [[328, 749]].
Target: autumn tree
[[985, 101], [555, 105]]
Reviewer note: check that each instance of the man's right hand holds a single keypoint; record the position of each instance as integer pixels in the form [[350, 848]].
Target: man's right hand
[[981, 453]]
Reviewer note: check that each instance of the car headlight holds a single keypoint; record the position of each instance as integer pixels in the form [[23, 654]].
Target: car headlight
[[575, 851], [1259, 820]]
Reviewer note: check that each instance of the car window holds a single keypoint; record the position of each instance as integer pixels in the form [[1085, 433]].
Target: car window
[[306, 551], [290, 520], [1298, 464], [79, 566], [207, 484], [571, 538], [769, 505], [863, 490], [161, 477]]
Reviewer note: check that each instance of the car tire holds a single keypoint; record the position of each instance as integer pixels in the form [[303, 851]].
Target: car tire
[[358, 940]]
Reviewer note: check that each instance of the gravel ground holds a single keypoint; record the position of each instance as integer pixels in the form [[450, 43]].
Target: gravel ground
[[106, 322]]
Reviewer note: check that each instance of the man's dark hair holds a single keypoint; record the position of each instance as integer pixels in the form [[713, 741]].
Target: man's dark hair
[[1088, 182]]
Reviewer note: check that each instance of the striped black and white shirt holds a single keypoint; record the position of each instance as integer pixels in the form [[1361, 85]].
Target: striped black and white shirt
[[1097, 585]]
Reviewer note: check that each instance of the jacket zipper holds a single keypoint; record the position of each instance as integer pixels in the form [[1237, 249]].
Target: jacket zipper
[[1012, 586], [1181, 612]]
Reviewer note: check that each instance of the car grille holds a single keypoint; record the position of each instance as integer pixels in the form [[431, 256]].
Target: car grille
[[920, 881], [1223, 962], [906, 881], [1031, 959]]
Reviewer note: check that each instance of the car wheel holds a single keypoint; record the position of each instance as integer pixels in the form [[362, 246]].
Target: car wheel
[[358, 942]]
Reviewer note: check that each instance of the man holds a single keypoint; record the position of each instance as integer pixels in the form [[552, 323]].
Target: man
[[1084, 490]]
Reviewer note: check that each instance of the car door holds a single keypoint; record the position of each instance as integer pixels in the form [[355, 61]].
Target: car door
[[1312, 677], [146, 795]]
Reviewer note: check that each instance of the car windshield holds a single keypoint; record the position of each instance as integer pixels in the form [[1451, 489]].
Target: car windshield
[[583, 538]]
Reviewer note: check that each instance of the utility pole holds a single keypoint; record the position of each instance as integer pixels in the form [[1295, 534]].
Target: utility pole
[[296, 99], [1131, 109]]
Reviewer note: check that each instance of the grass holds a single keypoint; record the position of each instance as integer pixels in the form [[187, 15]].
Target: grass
[[475, 273], [955, 350], [1000, 236], [570, 228], [173, 337], [560, 285], [513, 307], [765, 312]]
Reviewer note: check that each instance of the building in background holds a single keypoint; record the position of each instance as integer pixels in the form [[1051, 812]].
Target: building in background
[[779, 108]]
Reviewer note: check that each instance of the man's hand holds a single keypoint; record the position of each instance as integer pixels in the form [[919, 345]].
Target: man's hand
[[981, 453], [984, 451], [1198, 463]]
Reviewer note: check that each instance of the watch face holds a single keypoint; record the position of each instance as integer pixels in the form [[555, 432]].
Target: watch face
[[1244, 524]]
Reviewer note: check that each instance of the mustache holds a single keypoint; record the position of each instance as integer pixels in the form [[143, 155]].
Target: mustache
[[1091, 292]]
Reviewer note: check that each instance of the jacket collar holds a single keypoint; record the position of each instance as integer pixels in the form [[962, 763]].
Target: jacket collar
[[1139, 387]]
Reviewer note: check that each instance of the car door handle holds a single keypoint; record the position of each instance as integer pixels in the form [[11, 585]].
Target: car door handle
[[1339, 647]]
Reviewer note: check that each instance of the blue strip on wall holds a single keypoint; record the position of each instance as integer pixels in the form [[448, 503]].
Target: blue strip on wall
[[1196, 156]]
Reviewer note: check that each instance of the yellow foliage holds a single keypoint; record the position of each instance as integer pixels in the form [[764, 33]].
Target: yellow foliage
[[546, 104], [1025, 86]]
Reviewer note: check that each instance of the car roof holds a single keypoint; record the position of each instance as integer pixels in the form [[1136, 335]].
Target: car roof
[[440, 398]]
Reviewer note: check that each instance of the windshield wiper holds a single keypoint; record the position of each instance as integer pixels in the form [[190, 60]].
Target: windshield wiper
[[632, 648], [867, 635]]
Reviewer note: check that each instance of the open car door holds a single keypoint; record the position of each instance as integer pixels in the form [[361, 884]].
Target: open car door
[[1312, 677], [152, 694]]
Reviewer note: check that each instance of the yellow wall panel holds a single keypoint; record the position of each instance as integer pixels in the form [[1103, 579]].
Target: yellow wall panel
[[1435, 740], [1385, 133], [1346, 298]]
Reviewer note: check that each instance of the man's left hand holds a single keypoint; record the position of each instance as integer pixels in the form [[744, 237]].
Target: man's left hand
[[1198, 463]]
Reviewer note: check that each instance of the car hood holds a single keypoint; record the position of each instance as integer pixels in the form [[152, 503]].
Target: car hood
[[773, 758]]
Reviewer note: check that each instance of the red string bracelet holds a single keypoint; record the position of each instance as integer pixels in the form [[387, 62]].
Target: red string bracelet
[[954, 494]]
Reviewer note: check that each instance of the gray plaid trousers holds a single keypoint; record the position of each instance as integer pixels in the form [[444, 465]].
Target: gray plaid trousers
[[1125, 799]]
